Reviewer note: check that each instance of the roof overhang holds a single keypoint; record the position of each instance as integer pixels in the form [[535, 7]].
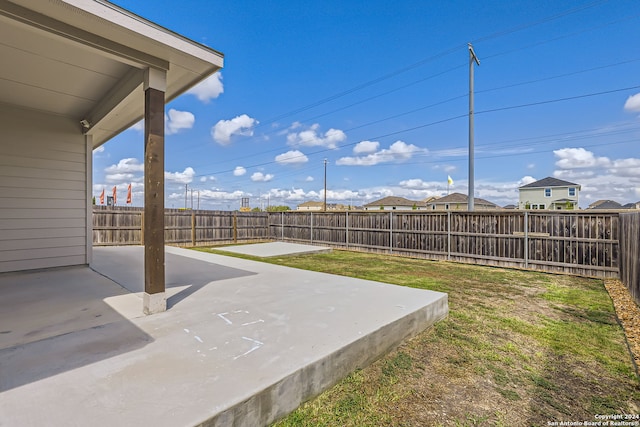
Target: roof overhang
[[86, 59]]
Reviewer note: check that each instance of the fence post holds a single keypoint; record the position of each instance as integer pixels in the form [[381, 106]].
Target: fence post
[[448, 235], [193, 228], [391, 231], [526, 239], [346, 232], [311, 234], [282, 226], [235, 227]]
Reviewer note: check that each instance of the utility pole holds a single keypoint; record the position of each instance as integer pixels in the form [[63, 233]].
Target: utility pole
[[324, 206], [186, 191], [472, 58]]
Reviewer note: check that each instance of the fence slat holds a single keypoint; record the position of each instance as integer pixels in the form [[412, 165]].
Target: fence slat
[[603, 244]]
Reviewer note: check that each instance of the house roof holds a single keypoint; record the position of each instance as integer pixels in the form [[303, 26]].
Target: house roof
[[311, 204], [605, 204], [550, 182], [631, 205], [85, 60], [392, 201], [461, 198]]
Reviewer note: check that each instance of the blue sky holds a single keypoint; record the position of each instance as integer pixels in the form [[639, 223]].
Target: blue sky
[[379, 89]]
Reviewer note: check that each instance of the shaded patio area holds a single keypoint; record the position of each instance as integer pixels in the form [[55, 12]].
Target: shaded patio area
[[242, 343]]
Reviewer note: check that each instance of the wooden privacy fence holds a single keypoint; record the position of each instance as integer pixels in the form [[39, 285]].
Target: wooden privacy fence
[[124, 226], [588, 243], [570, 242], [630, 252]]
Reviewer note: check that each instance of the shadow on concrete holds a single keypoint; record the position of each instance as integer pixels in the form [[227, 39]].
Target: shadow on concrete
[[125, 266], [57, 320]]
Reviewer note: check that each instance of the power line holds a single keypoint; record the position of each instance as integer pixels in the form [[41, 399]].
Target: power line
[[429, 59], [550, 101], [378, 121], [442, 121]]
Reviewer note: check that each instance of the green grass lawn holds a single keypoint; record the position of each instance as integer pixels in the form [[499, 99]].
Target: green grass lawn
[[519, 348]]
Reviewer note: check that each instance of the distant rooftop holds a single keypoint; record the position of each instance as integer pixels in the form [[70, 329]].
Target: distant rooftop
[[550, 182]]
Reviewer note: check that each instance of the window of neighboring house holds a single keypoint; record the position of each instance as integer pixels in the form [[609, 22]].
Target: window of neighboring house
[[534, 206], [446, 206], [433, 207], [542, 206], [394, 208], [547, 192], [572, 192]]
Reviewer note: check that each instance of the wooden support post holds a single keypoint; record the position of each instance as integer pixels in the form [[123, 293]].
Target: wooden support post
[[154, 300]]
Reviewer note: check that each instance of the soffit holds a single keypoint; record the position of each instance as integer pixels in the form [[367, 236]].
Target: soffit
[[61, 58]]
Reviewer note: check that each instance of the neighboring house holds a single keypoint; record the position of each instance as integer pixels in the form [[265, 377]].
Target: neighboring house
[[392, 203], [549, 193], [459, 202], [605, 204], [510, 207], [429, 200], [635, 205], [319, 206], [310, 206]]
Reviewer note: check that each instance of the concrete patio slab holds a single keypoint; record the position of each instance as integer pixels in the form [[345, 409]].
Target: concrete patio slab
[[271, 249], [243, 342]]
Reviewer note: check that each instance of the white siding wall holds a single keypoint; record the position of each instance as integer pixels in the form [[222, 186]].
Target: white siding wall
[[43, 191]]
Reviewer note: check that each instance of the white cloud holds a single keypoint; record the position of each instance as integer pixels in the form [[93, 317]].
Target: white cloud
[[239, 171], [573, 174], [633, 103], [291, 158], [574, 158], [239, 125], [120, 177], [207, 178], [311, 138], [208, 89], [261, 177], [176, 120], [309, 179], [366, 147], [129, 164], [525, 180], [398, 151], [99, 149], [626, 167], [184, 177], [415, 183]]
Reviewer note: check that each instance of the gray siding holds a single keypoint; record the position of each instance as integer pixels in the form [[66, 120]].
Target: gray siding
[[43, 191]]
